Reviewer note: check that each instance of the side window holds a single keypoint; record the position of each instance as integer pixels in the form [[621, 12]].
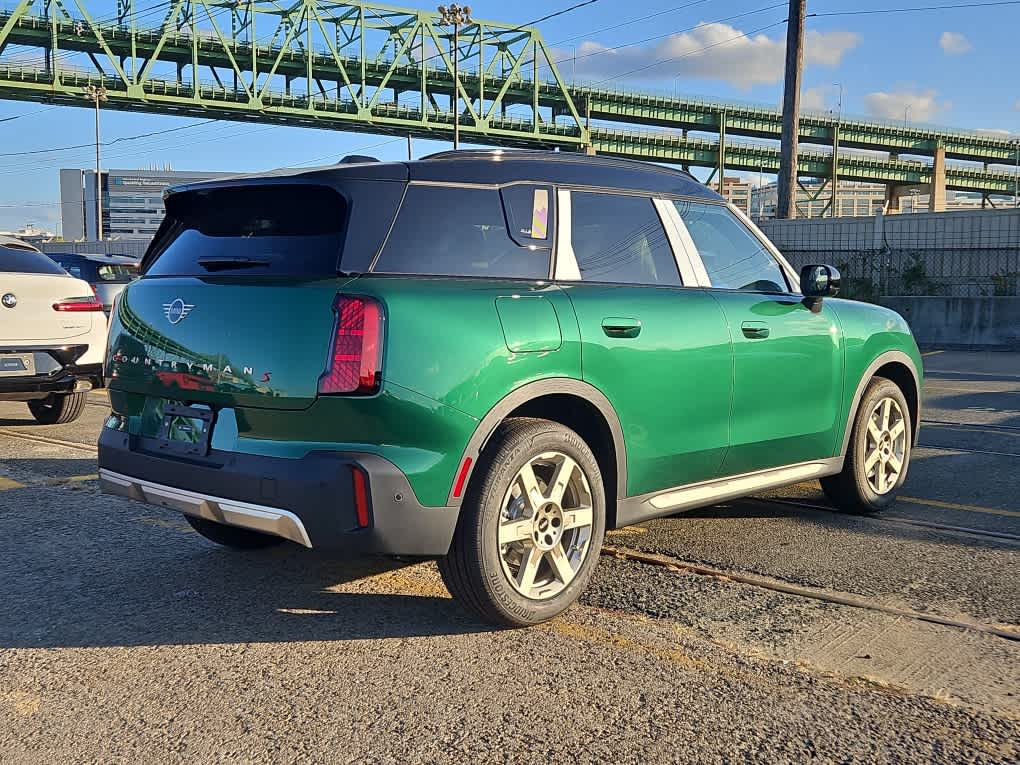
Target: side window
[[619, 238], [447, 231], [732, 255]]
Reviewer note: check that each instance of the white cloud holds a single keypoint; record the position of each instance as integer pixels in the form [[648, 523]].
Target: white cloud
[[992, 131], [954, 43], [813, 100], [902, 104], [709, 52]]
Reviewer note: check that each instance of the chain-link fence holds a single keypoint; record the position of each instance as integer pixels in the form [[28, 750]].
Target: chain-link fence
[[958, 254]]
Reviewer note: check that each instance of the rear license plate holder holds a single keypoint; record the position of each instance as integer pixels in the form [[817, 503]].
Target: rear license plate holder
[[186, 430], [17, 364]]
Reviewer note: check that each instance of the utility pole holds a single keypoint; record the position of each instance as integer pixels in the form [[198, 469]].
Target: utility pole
[[787, 207], [97, 96], [455, 15]]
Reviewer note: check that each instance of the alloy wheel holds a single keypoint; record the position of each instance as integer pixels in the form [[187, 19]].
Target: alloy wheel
[[545, 525], [885, 445]]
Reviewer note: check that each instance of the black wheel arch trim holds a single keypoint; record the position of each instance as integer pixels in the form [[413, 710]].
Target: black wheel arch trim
[[877, 363], [529, 392]]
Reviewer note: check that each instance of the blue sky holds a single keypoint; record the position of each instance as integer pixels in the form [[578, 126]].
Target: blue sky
[[953, 67]]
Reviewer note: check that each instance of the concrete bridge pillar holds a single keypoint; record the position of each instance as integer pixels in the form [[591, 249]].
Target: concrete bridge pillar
[[937, 191], [893, 193]]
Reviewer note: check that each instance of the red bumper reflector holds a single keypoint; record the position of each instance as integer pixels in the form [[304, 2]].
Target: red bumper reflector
[[465, 468], [360, 496]]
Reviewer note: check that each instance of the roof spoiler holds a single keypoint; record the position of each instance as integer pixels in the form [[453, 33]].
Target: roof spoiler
[[356, 159]]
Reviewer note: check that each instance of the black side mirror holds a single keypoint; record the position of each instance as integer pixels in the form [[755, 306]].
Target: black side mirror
[[819, 281]]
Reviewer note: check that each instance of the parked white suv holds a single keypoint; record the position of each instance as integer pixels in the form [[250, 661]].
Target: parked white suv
[[52, 336]]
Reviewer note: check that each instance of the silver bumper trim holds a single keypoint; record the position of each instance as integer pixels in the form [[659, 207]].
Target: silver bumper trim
[[268, 520]]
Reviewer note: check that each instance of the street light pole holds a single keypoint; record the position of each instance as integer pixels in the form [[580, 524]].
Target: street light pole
[[906, 111], [456, 15], [1016, 176], [97, 96], [834, 198]]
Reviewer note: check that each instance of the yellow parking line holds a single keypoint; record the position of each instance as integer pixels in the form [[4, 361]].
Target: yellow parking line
[[7, 483], [955, 506], [932, 353]]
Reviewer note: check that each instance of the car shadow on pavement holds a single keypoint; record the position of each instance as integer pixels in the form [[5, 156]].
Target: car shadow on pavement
[[79, 568]]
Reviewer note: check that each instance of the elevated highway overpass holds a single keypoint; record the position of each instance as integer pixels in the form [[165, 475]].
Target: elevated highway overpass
[[375, 68]]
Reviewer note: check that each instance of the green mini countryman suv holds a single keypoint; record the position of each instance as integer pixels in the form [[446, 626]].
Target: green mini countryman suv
[[488, 358]]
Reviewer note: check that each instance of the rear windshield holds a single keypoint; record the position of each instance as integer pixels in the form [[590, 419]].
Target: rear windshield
[[25, 262], [277, 229]]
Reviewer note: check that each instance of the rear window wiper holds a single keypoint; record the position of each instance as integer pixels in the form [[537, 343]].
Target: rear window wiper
[[224, 263]]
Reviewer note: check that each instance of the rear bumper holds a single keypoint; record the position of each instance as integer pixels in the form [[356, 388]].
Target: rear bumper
[[309, 500], [58, 373]]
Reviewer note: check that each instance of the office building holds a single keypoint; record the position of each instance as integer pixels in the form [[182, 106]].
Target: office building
[[132, 201], [736, 191]]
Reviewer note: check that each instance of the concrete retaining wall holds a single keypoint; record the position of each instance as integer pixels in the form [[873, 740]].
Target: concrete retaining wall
[[958, 322]]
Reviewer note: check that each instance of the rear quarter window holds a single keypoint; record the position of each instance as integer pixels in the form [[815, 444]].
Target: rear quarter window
[[26, 262], [460, 231]]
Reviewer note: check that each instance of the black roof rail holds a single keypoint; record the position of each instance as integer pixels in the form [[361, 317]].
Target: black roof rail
[[555, 156]]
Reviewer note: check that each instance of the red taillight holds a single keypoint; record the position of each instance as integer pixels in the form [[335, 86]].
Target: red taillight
[[355, 356], [360, 496], [88, 303]]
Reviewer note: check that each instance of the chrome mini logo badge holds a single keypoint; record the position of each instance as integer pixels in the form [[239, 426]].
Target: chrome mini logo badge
[[9, 300], [177, 310]]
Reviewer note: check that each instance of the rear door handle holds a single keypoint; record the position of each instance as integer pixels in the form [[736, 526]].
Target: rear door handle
[[755, 330], [618, 326]]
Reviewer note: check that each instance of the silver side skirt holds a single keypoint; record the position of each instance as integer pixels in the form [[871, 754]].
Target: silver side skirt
[[635, 509], [268, 520]]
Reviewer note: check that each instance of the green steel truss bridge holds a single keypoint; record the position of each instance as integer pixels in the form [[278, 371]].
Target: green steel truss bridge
[[375, 68]]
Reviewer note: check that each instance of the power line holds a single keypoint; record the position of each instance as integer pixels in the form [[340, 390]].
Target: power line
[[631, 21], [107, 143], [692, 52], [913, 9], [560, 13], [674, 32]]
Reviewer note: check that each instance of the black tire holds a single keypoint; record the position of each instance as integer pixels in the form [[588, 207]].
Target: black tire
[[474, 569], [233, 536], [58, 408], [851, 490]]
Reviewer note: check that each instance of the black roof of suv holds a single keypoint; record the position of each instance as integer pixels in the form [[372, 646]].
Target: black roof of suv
[[496, 167]]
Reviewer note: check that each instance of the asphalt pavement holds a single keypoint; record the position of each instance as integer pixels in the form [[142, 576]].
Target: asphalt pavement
[[769, 629]]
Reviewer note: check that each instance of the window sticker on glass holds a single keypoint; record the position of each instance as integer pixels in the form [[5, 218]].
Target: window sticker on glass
[[540, 214]]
